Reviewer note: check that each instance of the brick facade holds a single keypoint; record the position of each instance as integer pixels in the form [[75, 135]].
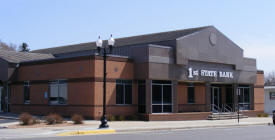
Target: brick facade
[[259, 93], [85, 89]]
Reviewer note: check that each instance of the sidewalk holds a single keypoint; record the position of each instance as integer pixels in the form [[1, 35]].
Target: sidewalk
[[91, 127], [8, 116]]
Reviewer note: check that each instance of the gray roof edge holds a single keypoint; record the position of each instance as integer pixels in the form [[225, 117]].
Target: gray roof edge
[[60, 58], [122, 38]]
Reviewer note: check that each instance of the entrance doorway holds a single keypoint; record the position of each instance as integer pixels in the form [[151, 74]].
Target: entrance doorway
[[244, 98], [215, 99], [229, 98]]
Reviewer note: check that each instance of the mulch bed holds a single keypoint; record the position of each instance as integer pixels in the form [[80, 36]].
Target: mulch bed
[[43, 125]]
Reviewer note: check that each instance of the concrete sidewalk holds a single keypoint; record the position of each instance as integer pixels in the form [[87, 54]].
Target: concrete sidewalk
[[10, 116], [91, 127], [126, 126]]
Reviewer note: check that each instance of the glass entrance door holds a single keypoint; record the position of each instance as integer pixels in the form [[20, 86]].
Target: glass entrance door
[[244, 98], [215, 99]]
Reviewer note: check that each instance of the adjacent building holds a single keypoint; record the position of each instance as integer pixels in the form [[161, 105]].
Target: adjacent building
[[177, 75], [269, 98]]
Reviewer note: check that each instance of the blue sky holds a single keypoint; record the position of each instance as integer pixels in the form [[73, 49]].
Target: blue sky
[[50, 23]]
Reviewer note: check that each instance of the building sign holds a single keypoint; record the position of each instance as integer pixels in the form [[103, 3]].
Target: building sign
[[209, 73]]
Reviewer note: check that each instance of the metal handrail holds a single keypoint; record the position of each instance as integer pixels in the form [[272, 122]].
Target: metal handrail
[[215, 108], [227, 108]]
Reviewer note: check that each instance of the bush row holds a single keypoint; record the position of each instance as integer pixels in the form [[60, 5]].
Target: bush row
[[27, 119], [263, 115]]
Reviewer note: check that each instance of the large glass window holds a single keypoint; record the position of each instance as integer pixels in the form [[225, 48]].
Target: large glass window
[[123, 91], [141, 96], [27, 92], [190, 94], [161, 96], [58, 92], [244, 98]]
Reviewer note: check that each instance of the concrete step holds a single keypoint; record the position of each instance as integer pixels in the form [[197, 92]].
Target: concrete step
[[225, 115]]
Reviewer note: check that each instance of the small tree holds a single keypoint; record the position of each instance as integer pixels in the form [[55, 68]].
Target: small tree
[[24, 47], [5, 46], [269, 78]]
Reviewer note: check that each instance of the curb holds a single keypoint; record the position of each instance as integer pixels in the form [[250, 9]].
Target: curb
[[183, 128], [87, 132]]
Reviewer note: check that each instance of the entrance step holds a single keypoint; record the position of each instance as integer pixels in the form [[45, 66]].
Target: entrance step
[[225, 116]]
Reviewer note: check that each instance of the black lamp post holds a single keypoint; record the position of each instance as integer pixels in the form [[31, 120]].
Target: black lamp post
[[104, 51], [238, 93]]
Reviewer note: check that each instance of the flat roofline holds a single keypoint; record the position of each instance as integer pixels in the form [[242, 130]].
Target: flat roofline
[[260, 72], [269, 87], [68, 59]]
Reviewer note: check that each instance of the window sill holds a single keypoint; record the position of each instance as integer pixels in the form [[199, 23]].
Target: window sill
[[191, 103]]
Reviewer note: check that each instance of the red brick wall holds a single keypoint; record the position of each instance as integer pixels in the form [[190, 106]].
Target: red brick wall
[[37, 93], [84, 96], [16, 94], [58, 70], [259, 93], [115, 69], [81, 93], [199, 104]]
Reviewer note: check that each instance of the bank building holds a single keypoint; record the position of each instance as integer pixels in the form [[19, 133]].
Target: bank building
[[189, 74]]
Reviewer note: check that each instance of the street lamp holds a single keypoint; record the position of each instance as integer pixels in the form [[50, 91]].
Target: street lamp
[[103, 51], [238, 93]]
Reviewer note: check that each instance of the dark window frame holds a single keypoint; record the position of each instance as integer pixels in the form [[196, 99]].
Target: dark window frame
[[244, 91], [272, 97], [58, 100], [26, 98], [141, 96], [125, 84], [161, 106], [191, 99]]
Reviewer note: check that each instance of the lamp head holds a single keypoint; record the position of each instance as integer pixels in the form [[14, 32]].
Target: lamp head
[[111, 41], [99, 44]]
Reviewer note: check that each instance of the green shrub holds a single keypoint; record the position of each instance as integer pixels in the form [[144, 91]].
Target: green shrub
[[128, 117], [266, 115], [121, 118], [116, 117], [131, 117], [111, 118], [77, 119], [263, 115]]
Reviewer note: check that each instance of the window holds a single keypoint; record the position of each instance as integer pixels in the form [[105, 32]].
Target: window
[[190, 94], [272, 95], [141, 96], [244, 98], [161, 96], [58, 92], [123, 91], [27, 92]]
